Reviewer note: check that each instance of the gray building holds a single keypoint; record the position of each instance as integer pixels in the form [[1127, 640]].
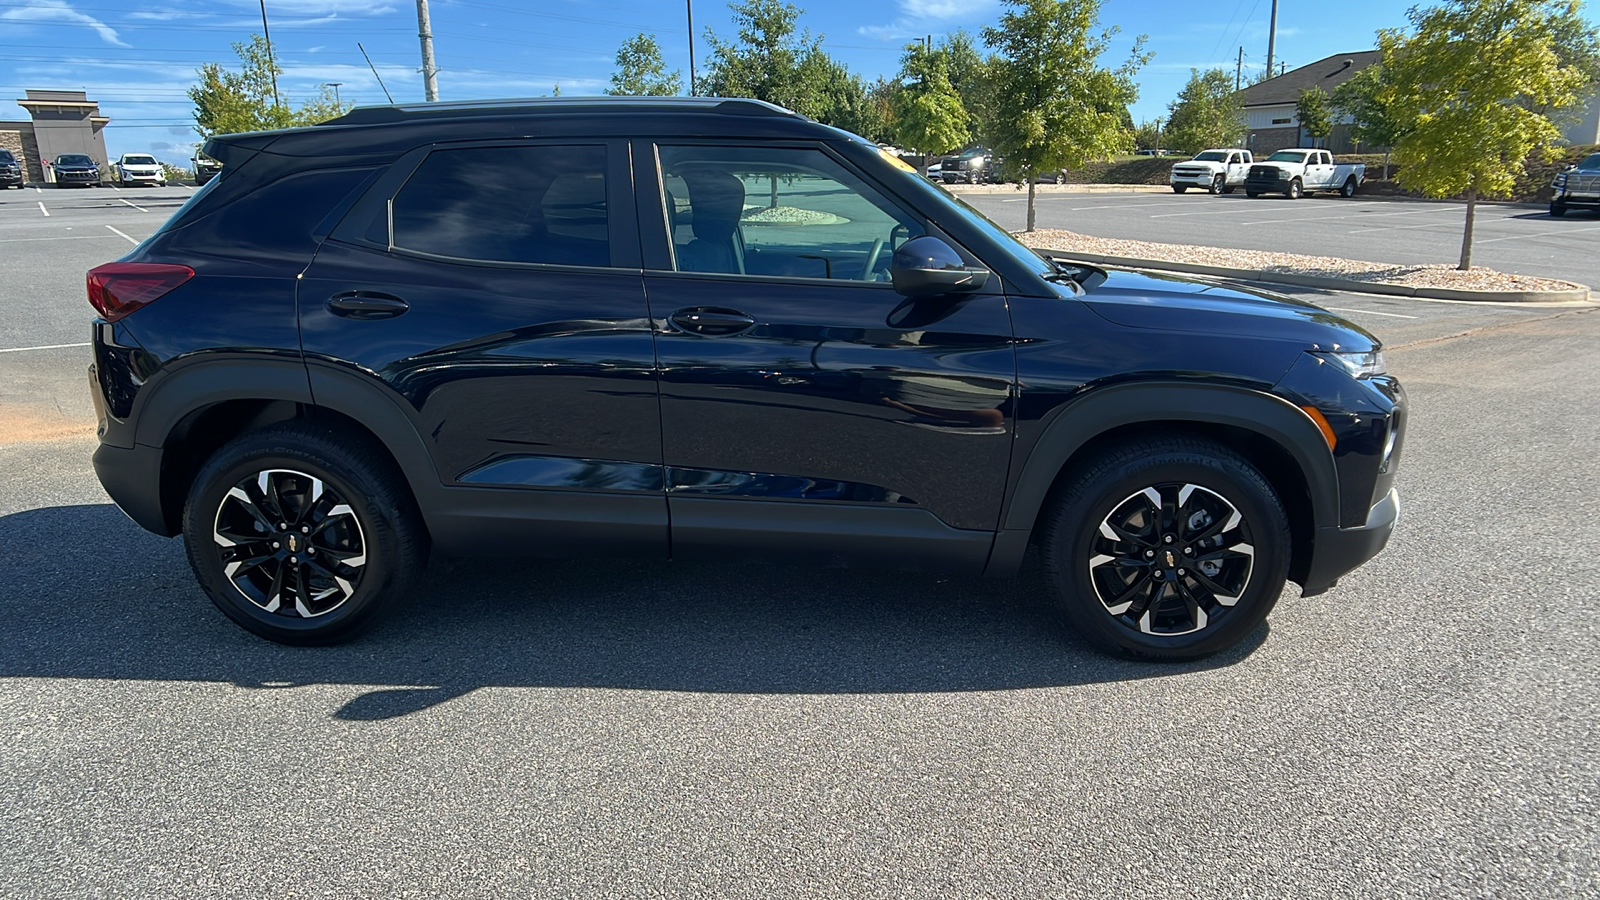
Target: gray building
[[59, 122]]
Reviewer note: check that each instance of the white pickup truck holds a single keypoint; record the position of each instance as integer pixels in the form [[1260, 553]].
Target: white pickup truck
[[1295, 173], [1218, 171]]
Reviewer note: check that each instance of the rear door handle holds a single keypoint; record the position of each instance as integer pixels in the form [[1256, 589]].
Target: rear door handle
[[366, 305], [710, 320]]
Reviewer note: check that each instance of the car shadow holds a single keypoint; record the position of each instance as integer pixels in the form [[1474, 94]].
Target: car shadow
[[89, 595]]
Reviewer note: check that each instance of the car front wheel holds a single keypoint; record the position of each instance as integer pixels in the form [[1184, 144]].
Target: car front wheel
[[1295, 190], [1169, 549], [1216, 184], [1179, 188], [302, 533], [1558, 209]]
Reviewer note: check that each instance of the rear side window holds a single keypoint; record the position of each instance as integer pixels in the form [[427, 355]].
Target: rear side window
[[543, 204], [282, 218]]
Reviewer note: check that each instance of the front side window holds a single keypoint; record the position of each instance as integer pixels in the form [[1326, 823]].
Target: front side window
[[778, 211], [537, 204]]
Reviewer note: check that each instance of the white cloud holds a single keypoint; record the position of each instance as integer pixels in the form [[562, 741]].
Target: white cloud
[[920, 17], [316, 7], [61, 11]]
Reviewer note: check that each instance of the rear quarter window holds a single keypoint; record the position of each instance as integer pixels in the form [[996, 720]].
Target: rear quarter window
[[285, 218]]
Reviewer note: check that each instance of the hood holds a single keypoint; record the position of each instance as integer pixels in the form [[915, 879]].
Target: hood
[[1176, 304], [76, 167]]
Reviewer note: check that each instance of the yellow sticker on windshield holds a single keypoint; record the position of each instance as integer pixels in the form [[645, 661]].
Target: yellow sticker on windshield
[[896, 160]]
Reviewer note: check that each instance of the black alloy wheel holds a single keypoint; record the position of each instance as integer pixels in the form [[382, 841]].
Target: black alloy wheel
[[1217, 183], [302, 533], [1167, 549]]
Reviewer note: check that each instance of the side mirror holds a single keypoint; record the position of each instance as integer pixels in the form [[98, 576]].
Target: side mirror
[[926, 265]]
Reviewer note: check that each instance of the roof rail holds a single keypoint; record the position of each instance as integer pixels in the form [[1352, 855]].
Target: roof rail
[[402, 112]]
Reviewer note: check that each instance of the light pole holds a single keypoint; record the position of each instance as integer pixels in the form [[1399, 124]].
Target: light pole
[[335, 86], [689, 7], [271, 65]]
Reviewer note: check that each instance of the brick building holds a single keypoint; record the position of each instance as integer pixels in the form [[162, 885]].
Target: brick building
[[58, 122], [1269, 105]]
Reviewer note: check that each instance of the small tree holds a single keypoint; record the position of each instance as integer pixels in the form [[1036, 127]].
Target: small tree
[[928, 113], [1470, 76], [1148, 135], [1315, 115], [1207, 113], [641, 71], [1055, 107], [1371, 120], [230, 102], [769, 60]]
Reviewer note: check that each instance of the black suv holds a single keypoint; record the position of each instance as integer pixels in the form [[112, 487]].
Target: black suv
[[76, 168], [11, 174], [699, 328]]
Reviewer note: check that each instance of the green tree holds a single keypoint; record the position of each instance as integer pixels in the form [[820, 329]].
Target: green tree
[[1148, 135], [1055, 106], [769, 60], [972, 76], [1371, 120], [228, 101], [1472, 76], [1315, 115], [929, 115], [641, 71], [1207, 113]]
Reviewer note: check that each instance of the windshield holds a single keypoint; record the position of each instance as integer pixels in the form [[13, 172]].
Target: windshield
[[1591, 162], [73, 159], [5, 156], [1212, 156], [139, 160], [975, 151], [1287, 156]]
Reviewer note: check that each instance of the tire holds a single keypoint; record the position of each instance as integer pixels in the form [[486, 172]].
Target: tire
[[1061, 178], [1179, 188], [1217, 184], [1296, 190], [1348, 189], [1252, 194], [1228, 188], [351, 504], [1557, 209], [1184, 616]]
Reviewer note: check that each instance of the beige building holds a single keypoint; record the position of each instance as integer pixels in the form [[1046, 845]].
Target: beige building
[[1269, 105], [58, 122]]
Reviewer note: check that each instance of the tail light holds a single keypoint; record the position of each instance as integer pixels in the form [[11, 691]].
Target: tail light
[[119, 288]]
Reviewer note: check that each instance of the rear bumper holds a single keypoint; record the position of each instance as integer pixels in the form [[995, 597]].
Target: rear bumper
[[132, 477], [1341, 550]]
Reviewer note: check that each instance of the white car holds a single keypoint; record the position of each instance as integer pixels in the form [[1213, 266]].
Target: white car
[[138, 168], [1218, 171]]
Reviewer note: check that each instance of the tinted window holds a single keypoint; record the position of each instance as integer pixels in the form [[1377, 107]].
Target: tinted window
[[279, 219], [73, 159], [1210, 156], [542, 204], [139, 160], [778, 211], [5, 156], [1287, 156]]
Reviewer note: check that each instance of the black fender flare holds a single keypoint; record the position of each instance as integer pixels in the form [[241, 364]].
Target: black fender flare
[[1085, 418], [210, 379]]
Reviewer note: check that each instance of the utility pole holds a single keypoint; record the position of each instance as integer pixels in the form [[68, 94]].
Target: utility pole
[[375, 71], [1272, 37], [689, 4], [430, 72], [1238, 71], [271, 65]]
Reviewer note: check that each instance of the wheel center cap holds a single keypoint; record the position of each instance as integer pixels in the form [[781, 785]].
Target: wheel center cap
[[1171, 558], [294, 544]]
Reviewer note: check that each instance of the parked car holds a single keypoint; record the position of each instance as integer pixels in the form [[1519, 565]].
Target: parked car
[[1577, 186], [11, 174], [139, 168], [76, 169], [936, 170], [706, 328], [1219, 171], [1295, 173], [205, 168], [974, 165]]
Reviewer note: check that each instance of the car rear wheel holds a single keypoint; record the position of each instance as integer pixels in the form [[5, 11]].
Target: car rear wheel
[[1295, 191], [1217, 183], [302, 533], [1348, 189], [1167, 549], [1061, 178]]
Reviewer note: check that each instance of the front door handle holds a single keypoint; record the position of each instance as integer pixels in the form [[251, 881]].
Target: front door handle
[[710, 320], [366, 305]]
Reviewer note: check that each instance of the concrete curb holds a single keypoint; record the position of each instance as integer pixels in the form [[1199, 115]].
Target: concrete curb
[[1577, 295]]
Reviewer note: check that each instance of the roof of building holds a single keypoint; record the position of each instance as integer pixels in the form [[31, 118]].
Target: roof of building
[[1326, 73]]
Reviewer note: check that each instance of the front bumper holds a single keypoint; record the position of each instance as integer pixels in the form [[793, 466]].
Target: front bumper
[[77, 178], [1277, 185], [1582, 198], [1203, 179], [1337, 551]]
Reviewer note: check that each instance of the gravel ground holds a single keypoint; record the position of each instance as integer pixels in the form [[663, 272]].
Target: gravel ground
[[1434, 276]]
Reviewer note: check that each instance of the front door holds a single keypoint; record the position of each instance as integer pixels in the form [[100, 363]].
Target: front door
[[805, 405], [494, 291]]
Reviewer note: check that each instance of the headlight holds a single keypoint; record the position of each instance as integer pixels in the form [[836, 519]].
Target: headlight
[[1358, 365], [1561, 180]]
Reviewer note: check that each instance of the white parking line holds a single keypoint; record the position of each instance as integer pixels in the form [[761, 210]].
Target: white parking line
[[115, 188], [130, 239], [42, 209], [44, 347], [1242, 210], [1370, 215], [1518, 237], [135, 206], [1368, 311]]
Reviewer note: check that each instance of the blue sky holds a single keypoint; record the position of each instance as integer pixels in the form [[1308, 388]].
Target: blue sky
[[138, 58]]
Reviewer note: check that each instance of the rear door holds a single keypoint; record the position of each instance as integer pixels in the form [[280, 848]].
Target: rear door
[[807, 408], [493, 290]]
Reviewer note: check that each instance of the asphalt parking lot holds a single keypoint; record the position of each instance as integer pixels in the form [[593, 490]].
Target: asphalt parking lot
[[1509, 237], [1427, 729]]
